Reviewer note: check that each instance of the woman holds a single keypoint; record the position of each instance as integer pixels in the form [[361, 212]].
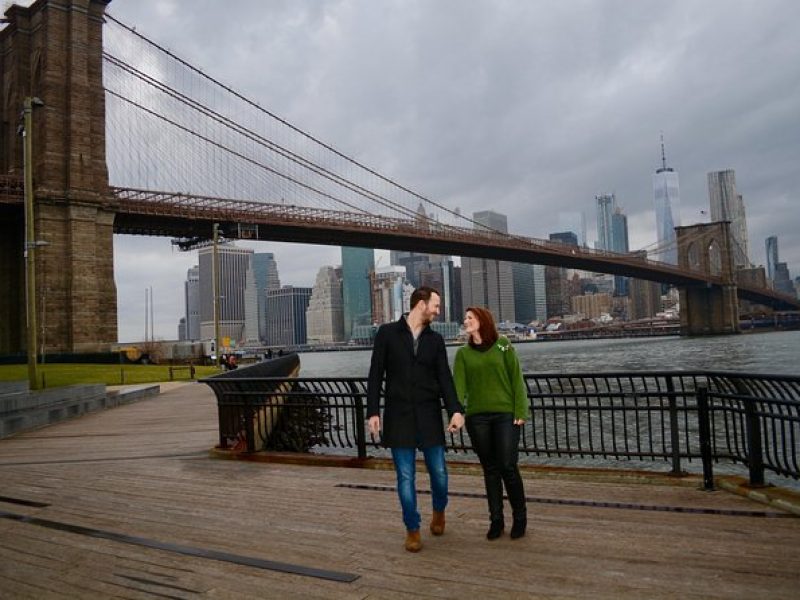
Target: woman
[[489, 383]]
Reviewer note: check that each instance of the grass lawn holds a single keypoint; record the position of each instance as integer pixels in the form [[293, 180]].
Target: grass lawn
[[56, 375]]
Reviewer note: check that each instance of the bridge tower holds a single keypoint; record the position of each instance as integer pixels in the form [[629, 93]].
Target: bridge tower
[[52, 51], [708, 310]]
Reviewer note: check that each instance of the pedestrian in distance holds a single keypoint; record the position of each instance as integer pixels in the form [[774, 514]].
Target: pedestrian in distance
[[411, 358], [490, 385]]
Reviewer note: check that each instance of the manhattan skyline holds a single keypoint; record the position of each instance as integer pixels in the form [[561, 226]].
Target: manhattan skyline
[[518, 107]]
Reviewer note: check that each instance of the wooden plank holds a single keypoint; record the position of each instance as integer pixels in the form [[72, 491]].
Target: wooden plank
[[143, 470]]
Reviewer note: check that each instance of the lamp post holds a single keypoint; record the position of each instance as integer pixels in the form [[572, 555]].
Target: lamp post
[[215, 279], [30, 240]]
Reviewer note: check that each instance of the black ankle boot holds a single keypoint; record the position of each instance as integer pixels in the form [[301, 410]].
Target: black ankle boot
[[518, 528], [495, 530]]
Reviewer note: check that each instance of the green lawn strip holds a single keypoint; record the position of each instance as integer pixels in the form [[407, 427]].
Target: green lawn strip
[[58, 374]]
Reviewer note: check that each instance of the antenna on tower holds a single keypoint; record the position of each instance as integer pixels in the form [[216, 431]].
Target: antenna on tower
[[664, 166]]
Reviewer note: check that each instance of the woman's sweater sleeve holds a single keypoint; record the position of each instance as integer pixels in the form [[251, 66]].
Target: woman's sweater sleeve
[[460, 378], [518, 388]]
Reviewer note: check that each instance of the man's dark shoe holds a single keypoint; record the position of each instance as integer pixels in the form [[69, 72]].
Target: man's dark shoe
[[518, 528], [495, 530]]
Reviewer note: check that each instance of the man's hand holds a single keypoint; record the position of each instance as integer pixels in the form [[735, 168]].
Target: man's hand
[[456, 423], [374, 425]]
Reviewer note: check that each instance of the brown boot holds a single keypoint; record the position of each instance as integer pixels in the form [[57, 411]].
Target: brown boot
[[413, 541], [437, 522]]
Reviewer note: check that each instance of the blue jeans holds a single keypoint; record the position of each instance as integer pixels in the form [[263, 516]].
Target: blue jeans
[[405, 467]]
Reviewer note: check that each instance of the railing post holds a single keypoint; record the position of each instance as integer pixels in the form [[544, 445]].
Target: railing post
[[675, 439], [755, 458], [361, 434], [221, 415], [249, 432], [704, 426]]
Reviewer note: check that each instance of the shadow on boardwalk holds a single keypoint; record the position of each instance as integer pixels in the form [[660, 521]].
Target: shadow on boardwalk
[[127, 503]]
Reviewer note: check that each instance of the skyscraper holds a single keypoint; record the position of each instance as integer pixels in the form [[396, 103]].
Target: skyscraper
[[772, 256], [356, 293], [557, 295], [644, 296], [192, 296], [565, 237], [251, 334], [530, 301], [234, 263], [387, 293], [324, 315], [574, 221], [487, 282], [666, 197], [414, 264], [265, 270], [539, 293], [286, 315], [783, 280], [606, 203], [727, 205], [619, 243], [492, 220]]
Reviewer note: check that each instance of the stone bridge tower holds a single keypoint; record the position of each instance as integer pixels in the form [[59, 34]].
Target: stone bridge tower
[[52, 51], [708, 310]]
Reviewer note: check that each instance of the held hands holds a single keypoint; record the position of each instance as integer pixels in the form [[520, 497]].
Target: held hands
[[519, 421], [456, 423]]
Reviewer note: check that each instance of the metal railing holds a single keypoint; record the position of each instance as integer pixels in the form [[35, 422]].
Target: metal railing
[[674, 417]]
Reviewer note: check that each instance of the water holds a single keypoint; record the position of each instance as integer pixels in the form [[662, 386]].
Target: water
[[773, 353]]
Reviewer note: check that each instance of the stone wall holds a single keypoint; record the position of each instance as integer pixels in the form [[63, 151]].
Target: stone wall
[[53, 51]]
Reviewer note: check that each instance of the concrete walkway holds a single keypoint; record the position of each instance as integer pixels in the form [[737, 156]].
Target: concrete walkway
[[127, 503]]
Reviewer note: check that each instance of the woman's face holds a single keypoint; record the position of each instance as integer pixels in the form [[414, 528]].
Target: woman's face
[[471, 323]]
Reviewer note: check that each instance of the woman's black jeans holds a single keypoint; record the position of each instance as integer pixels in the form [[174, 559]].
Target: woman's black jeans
[[496, 439]]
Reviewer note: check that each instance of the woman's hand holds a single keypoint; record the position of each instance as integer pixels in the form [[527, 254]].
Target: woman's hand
[[519, 421]]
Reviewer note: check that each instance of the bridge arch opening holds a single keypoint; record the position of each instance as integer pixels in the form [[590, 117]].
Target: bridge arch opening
[[714, 258], [693, 254]]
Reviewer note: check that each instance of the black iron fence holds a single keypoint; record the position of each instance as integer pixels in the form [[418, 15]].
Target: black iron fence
[[671, 417]]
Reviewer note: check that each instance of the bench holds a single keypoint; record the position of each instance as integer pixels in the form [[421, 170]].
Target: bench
[[188, 367]]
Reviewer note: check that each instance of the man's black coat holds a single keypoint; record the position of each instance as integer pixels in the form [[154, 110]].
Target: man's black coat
[[415, 386]]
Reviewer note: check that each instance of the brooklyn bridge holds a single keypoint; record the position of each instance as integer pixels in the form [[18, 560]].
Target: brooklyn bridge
[[126, 137]]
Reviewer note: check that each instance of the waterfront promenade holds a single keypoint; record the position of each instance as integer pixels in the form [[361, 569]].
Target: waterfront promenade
[[127, 503]]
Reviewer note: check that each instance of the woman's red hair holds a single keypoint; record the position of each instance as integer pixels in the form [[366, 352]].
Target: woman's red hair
[[486, 327]]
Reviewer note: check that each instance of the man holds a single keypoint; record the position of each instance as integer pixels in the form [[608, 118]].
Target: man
[[413, 359]]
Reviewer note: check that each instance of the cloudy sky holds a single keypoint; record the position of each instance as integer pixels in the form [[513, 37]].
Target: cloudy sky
[[528, 107]]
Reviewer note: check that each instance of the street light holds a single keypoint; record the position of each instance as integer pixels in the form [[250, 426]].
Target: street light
[[30, 239], [215, 278]]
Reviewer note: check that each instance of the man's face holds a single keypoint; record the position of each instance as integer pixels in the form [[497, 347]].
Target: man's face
[[431, 308]]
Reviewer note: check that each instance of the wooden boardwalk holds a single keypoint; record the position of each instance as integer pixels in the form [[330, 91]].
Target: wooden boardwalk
[[86, 503]]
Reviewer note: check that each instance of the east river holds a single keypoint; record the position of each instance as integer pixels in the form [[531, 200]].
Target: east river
[[775, 353], [765, 353]]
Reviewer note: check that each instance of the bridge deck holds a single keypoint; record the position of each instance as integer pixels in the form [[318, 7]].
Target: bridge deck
[[143, 471]]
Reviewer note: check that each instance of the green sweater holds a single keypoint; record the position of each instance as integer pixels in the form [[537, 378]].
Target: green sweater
[[491, 381]]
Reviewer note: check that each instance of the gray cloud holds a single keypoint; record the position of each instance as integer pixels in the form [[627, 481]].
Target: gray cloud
[[527, 107]]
